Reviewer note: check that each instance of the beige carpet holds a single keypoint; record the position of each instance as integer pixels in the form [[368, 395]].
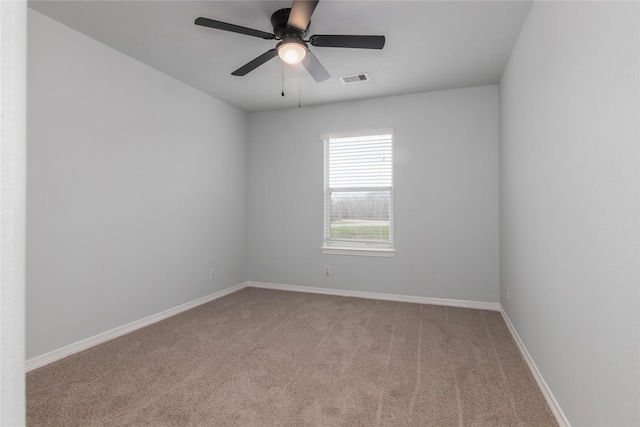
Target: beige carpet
[[265, 357]]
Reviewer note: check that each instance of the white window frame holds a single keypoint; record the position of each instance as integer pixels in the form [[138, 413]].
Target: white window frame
[[353, 247]]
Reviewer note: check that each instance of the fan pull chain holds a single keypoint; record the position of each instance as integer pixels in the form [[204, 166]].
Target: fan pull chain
[[282, 64], [298, 88]]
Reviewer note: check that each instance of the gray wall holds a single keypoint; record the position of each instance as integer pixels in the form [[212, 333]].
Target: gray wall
[[569, 204], [446, 196], [136, 188]]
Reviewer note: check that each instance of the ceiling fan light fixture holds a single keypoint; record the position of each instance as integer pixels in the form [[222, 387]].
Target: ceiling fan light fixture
[[292, 52]]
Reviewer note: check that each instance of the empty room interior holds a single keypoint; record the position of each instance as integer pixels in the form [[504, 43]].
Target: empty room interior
[[207, 244]]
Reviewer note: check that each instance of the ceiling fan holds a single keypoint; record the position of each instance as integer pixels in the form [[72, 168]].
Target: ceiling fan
[[290, 26]]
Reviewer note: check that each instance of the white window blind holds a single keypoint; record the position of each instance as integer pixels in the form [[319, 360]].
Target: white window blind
[[358, 199]]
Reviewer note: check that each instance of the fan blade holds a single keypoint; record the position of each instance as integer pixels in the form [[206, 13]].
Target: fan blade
[[315, 68], [252, 65], [205, 22], [357, 42], [301, 12]]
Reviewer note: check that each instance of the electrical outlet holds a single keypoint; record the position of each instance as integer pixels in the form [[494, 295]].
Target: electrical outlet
[[327, 270], [212, 274]]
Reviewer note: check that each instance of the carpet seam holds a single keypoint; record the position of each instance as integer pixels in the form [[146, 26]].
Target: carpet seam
[[418, 365], [386, 370]]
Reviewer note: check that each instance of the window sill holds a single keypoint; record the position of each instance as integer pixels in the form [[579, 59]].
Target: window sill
[[335, 250]]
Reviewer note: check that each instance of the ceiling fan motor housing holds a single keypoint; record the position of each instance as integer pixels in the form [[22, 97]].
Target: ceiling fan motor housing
[[282, 31]]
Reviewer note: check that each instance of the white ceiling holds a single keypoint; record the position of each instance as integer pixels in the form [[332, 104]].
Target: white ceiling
[[430, 45]]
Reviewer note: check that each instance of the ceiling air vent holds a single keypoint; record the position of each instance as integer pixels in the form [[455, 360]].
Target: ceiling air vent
[[354, 78]]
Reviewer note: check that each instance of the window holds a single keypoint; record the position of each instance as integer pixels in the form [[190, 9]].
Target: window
[[358, 193]]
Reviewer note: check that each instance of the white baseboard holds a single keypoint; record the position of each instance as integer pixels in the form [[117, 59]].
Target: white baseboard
[[87, 343], [494, 306], [546, 391]]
